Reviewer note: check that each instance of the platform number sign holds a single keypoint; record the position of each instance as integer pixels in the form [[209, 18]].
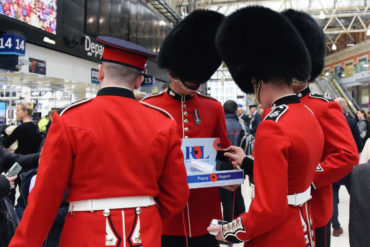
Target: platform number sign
[[148, 80], [12, 44]]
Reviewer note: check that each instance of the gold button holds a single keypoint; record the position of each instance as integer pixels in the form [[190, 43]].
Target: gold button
[[186, 129], [186, 137], [184, 105], [185, 113], [186, 121]]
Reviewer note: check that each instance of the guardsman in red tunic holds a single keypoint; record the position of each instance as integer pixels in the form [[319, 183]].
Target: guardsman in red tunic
[[189, 54], [120, 159], [340, 152], [285, 156]]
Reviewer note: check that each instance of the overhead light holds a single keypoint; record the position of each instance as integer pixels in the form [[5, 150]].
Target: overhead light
[[334, 47], [368, 32], [48, 40], [162, 23], [322, 15]]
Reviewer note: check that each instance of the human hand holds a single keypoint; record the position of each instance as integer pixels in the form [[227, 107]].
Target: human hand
[[216, 228], [236, 154], [11, 180]]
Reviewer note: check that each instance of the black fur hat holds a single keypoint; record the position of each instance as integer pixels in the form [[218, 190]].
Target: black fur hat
[[312, 35], [188, 51], [257, 43]]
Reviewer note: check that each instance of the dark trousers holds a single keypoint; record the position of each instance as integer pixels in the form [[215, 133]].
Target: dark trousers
[[232, 202], [179, 241], [322, 235], [346, 181]]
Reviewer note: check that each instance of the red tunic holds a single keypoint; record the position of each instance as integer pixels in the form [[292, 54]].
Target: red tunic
[[110, 146], [204, 204], [285, 159], [339, 156]]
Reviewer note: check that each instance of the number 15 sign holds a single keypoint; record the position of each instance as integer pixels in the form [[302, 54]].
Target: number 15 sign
[[12, 44]]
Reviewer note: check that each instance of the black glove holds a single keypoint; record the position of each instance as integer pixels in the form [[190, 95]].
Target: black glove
[[247, 165]]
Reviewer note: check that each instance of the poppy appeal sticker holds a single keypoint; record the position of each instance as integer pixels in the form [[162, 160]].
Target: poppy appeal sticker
[[213, 177]]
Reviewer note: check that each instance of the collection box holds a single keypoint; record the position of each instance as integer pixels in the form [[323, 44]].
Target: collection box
[[200, 161]]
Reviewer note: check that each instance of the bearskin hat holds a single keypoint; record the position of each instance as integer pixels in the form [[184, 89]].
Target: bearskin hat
[[312, 35], [188, 51], [257, 43]]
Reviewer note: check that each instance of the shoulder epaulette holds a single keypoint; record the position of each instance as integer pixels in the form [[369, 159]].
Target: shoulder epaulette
[[276, 113], [152, 95], [206, 96], [77, 103], [157, 108], [318, 96]]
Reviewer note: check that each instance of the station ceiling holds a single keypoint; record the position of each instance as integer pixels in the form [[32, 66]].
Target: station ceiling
[[345, 22]]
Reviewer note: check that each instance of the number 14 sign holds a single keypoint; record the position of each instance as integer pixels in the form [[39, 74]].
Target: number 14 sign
[[12, 44]]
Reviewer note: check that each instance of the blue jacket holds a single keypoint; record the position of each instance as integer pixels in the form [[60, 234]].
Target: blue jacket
[[233, 128]]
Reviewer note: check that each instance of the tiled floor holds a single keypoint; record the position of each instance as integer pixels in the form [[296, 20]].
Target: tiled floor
[[341, 241]]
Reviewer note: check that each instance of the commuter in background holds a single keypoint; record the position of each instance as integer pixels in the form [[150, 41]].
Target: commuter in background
[[233, 125], [232, 201], [244, 119], [362, 124], [120, 160], [27, 133], [54, 110], [365, 154], [346, 181], [8, 217], [285, 155], [254, 119], [340, 153], [352, 124], [43, 123], [359, 207], [190, 57]]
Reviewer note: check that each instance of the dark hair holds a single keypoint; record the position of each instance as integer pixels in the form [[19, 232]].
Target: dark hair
[[365, 115], [230, 106]]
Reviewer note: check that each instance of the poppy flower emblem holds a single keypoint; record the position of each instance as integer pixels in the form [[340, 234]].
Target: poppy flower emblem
[[213, 177]]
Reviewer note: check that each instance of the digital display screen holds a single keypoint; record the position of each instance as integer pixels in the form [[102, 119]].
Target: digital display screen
[[2, 113], [38, 13]]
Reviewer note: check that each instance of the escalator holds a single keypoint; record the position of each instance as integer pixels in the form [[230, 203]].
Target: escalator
[[331, 88]]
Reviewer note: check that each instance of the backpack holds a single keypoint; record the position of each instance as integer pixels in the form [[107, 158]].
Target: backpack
[[246, 140], [8, 221]]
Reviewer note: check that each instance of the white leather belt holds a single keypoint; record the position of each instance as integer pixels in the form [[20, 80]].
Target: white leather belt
[[111, 203], [299, 198]]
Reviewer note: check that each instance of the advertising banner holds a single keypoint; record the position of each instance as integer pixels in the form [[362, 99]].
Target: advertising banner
[[37, 66]]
